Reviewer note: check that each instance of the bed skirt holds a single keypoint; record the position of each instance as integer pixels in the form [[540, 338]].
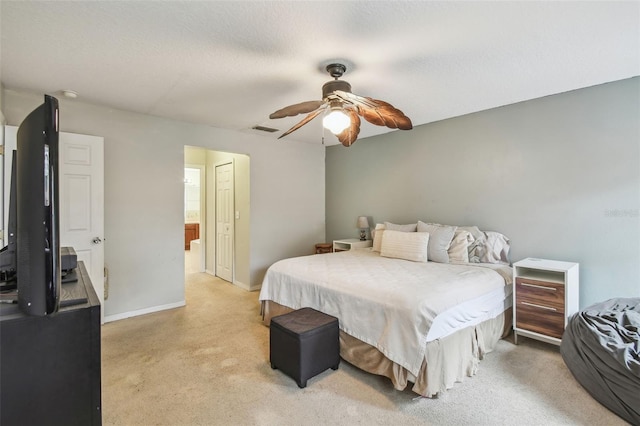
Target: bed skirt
[[447, 360]]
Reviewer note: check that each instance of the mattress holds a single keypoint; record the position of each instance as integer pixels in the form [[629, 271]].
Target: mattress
[[470, 313], [412, 302]]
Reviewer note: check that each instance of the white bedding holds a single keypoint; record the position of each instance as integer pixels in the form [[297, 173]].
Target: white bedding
[[391, 304]]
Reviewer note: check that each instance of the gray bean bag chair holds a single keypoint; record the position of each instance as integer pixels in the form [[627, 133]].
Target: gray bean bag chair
[[601, 347]]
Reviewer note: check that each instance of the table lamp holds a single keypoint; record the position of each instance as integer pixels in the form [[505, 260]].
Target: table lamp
[[363, 224]]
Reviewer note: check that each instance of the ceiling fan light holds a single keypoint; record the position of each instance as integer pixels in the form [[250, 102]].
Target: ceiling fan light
[[336, 121]]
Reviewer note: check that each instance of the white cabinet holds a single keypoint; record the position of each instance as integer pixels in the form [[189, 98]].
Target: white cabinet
[[545, 295], [350, 243]]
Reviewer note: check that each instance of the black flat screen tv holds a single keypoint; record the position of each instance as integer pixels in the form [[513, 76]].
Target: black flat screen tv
[[38, 225]]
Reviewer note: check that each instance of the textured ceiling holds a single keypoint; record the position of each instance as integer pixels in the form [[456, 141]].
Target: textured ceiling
[[230, 64]]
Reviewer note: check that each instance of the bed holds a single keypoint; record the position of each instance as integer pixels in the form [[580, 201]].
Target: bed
[[402, 315]]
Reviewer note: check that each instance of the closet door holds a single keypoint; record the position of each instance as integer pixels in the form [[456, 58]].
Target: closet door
[[224, 221]]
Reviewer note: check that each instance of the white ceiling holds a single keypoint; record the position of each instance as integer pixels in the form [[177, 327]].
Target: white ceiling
[[230, 64]]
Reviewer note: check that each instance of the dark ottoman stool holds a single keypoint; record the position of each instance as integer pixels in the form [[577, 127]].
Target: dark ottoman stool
[[304, 343]]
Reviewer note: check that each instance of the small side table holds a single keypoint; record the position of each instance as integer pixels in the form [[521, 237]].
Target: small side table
[[322, 248], [545, 295], [350, 244]]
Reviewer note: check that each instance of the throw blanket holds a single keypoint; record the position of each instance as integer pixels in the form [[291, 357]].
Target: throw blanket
[[601, 347], [387, 303]]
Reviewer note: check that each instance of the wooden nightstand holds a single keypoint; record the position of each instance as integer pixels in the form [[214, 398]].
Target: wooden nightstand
[[350, 243], [545, 295], [322, 248]]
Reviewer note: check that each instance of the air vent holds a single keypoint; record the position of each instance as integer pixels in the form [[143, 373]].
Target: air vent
[[265, 129]]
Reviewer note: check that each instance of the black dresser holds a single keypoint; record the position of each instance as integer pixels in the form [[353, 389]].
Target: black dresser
[[50, 372]]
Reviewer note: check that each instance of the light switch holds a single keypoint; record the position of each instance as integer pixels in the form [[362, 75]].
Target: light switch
[[237, 214]]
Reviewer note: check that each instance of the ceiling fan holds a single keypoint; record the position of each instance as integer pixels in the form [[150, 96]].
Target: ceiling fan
[[343, 110]]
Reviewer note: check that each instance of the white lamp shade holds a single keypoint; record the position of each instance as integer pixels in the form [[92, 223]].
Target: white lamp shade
[[363, 222], [336, 121]]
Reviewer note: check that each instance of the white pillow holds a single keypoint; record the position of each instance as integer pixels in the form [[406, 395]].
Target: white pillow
[[411, 227], [405, 245], [459, 248], [378, 232], [439, 240], [476, 246], [495, 249], [487, 246]]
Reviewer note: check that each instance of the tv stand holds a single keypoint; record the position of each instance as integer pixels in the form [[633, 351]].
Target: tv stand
[[50, 371]]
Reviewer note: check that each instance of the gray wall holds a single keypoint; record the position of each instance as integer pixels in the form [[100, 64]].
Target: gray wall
[[560, 176], [144, 197], [2, 119]]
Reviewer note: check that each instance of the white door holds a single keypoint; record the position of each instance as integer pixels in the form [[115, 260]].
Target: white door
[[224, 221], [82, 202]]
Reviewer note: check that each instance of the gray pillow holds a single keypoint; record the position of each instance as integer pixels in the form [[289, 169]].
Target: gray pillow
[[402, 228], [440, 237]]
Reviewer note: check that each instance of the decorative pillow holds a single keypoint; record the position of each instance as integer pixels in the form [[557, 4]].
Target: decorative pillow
[[405, 245], [378, 232], [459, 248], [439, 240], [476, 246], [495, 249], [402, 228]]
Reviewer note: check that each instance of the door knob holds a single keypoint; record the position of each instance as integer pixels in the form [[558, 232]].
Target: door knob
[[96, 240]]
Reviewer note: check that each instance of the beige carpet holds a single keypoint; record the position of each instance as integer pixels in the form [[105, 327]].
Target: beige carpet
[[208, 364]]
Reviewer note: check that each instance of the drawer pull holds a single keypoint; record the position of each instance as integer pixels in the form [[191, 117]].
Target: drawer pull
[[540, 286], [539, 306]]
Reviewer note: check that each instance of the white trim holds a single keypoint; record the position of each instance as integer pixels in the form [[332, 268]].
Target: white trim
[[242, 285], [144, 311]]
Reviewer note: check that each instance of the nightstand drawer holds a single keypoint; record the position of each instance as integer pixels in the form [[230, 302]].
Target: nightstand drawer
[[543, 293], [540, 319]]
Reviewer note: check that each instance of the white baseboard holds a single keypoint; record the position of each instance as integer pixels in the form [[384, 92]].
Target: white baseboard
[[241, 285], [236, 282], [116, 317]]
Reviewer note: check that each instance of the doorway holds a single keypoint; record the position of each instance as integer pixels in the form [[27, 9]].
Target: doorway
[[236, 259], [194, 229]]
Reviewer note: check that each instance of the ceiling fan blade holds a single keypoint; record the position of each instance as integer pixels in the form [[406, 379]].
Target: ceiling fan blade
[[386, 116], [304, 121], [354, 99], [377, 112], [296, 109], [348, 136]]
